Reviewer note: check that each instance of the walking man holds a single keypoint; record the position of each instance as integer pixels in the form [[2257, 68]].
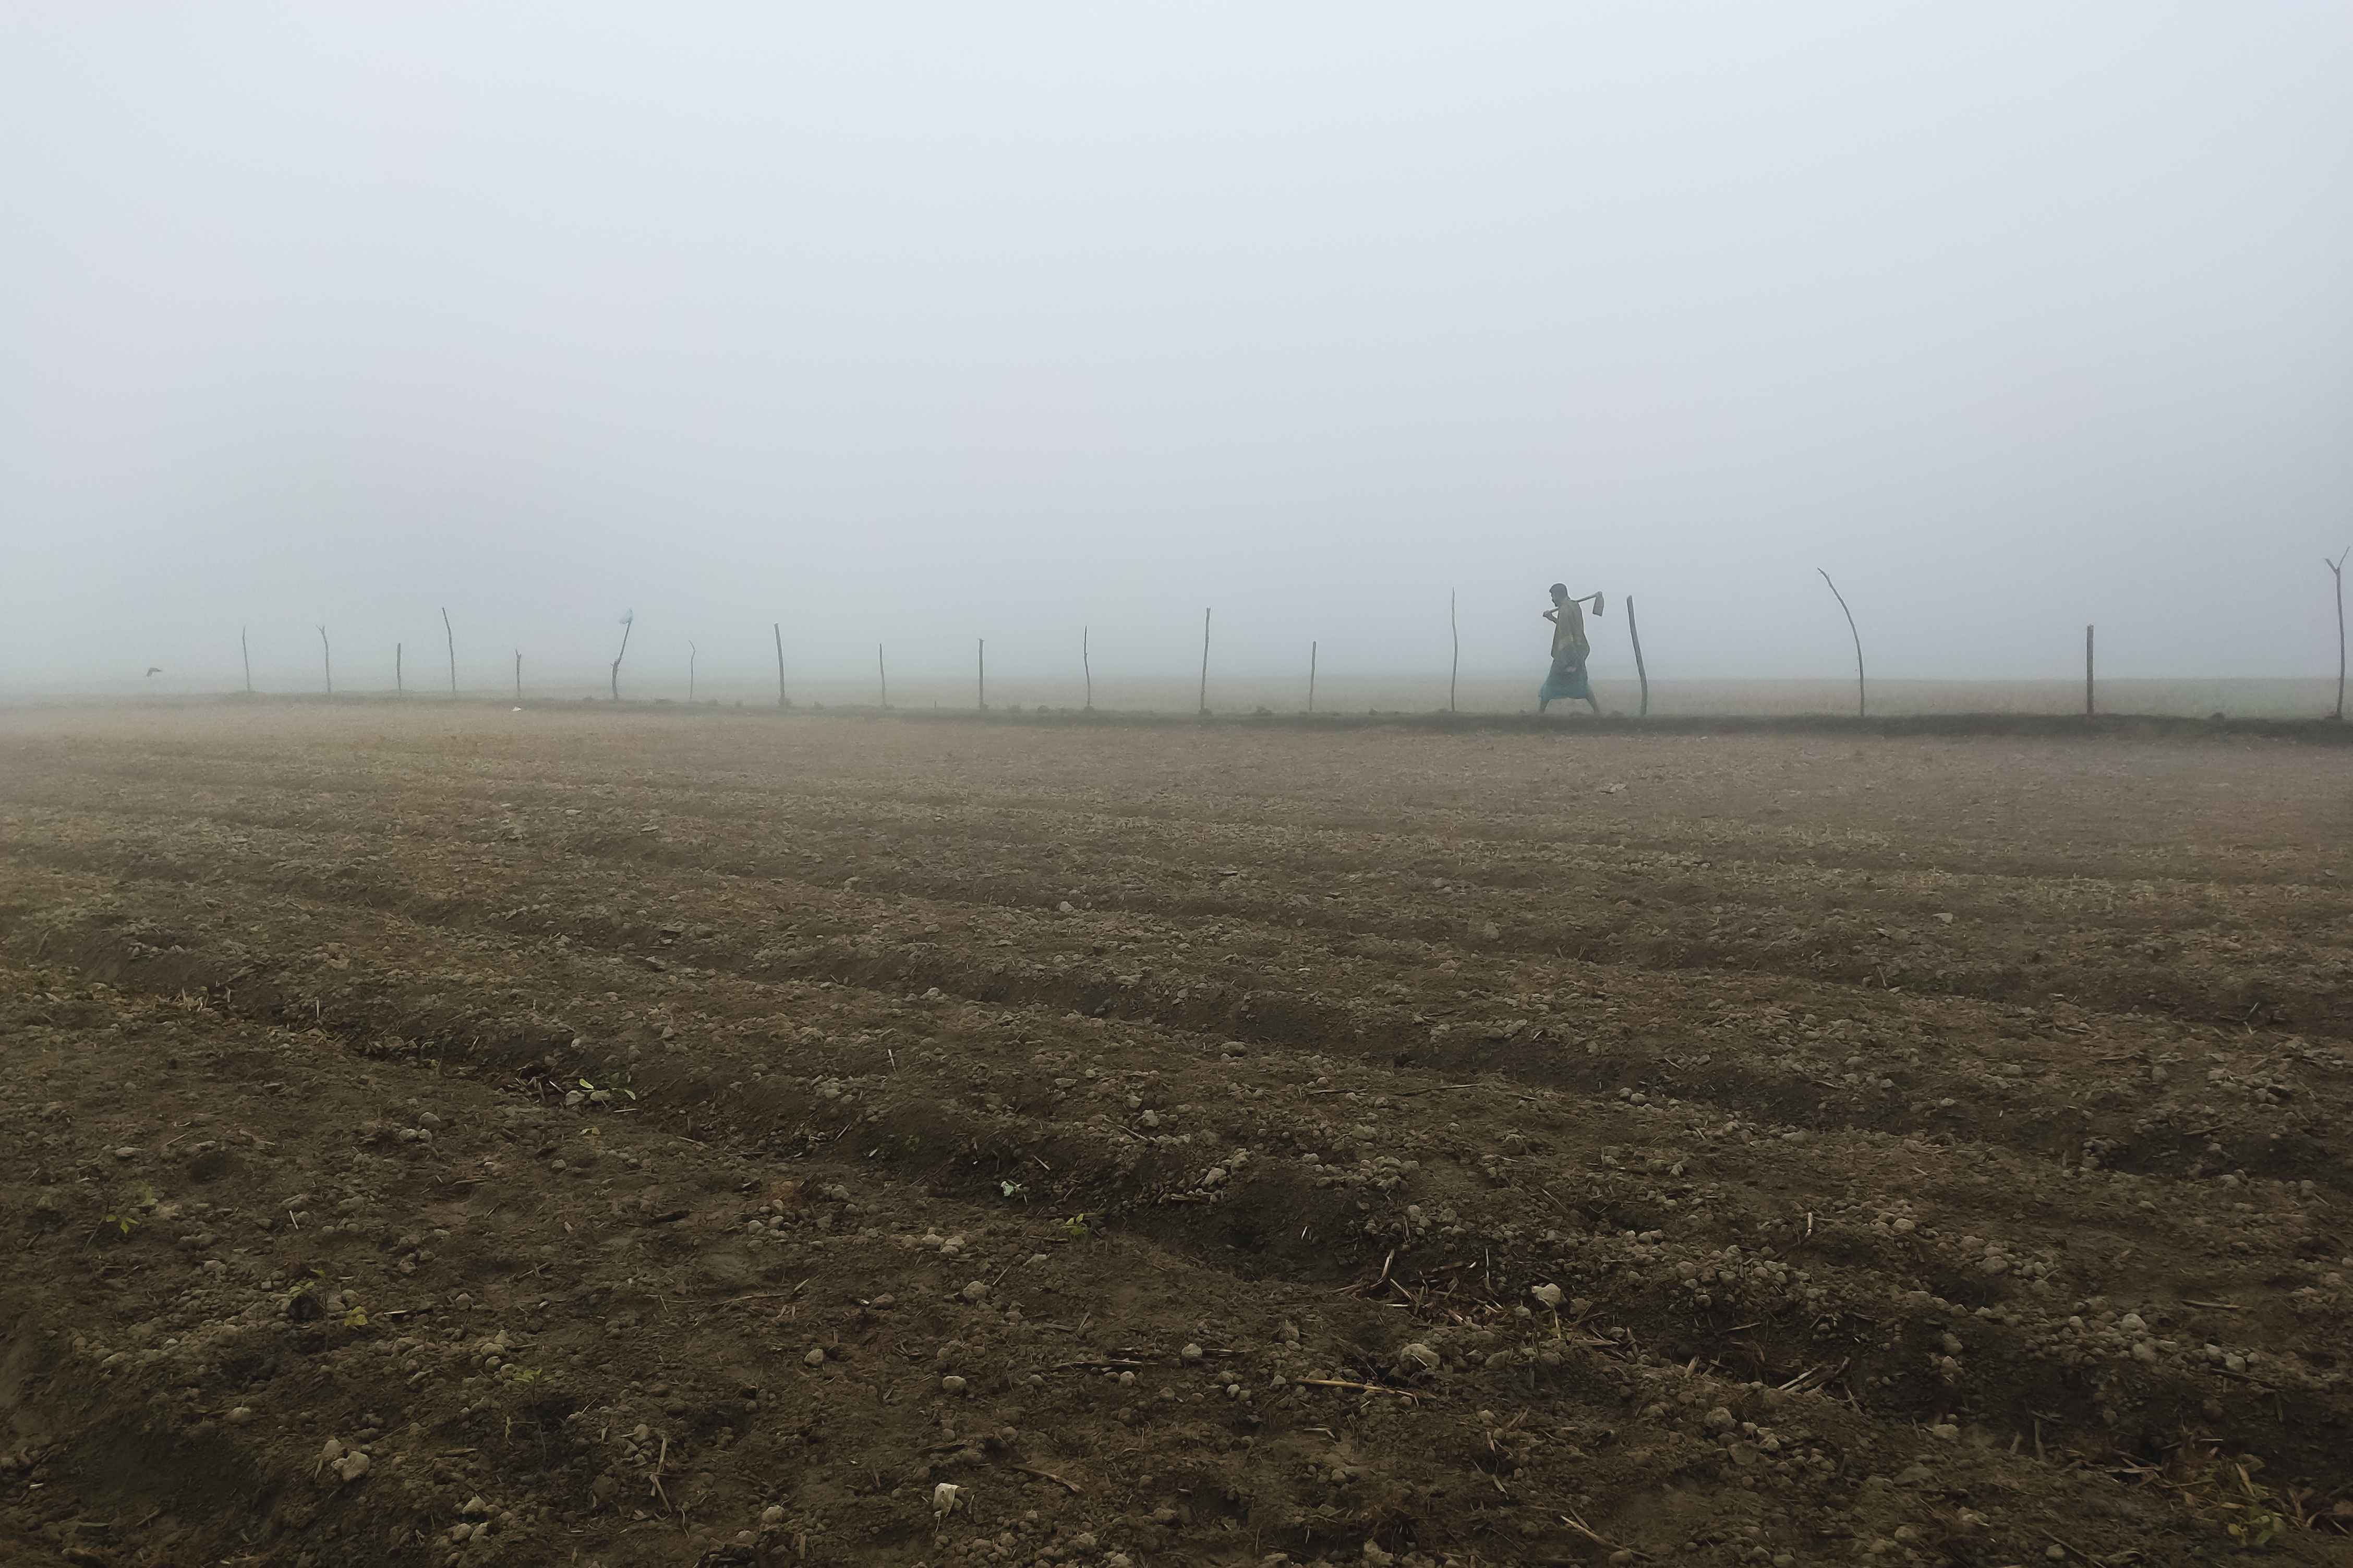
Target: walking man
[[1569, 651]]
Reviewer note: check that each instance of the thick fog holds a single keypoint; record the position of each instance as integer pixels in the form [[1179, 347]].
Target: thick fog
[[923, 323]]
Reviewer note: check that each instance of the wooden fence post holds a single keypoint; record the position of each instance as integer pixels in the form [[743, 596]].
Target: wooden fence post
[[1086, 664], [629, 624], [778, 628], [1205, 661], [883, 673], [246, 649], [2336, 569], [451, 637], [980, 690], [1454, 671], [1862, 705], [399, 681], [518, 675], [1635, 631], [2089, 708], [327, 659], [1311, 677]]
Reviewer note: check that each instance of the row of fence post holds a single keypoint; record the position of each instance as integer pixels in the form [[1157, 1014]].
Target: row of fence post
[[1086, 663]]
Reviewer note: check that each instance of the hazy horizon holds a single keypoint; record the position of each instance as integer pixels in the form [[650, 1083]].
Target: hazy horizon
[[931, 323], [1230, 693]]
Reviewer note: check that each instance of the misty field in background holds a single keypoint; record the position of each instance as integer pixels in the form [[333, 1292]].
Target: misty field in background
[[2239, 699]]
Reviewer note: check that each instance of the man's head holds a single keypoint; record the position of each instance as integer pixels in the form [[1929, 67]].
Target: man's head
[[1560, 592]]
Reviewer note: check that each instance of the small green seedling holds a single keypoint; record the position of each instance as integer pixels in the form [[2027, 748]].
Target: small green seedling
[[1075, 1228], [2259, 1523], [1012, 1189], [138, 1200]]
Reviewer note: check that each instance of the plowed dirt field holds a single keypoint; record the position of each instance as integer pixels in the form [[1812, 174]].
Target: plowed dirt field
[[447, 1135]]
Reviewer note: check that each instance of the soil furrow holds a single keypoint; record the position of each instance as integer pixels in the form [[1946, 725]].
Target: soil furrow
[[698, 1144], [1659, 917], [2026, 1346], [1881, 1062]]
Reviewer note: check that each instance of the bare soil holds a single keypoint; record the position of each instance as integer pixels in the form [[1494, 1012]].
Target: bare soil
[[447, 1135]]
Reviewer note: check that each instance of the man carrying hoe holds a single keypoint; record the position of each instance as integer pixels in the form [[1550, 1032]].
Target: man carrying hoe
[[1569, 651]]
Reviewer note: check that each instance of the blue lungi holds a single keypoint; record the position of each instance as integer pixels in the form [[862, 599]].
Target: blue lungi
[[1566, 678]]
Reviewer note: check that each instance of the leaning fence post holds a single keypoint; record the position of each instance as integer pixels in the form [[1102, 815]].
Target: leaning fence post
[[883, 673], [1862, 709], [399, 683], [452, 638], [628, 624], [2088, 708], [980, 689], [1086, 666], [1311, 677], [778, 627], [1635, 631], [327, 660]]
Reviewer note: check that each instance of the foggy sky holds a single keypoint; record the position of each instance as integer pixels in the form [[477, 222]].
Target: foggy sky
[[924, 322]]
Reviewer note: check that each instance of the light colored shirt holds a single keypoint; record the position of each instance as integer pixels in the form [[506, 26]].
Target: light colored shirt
[[1569, 630]]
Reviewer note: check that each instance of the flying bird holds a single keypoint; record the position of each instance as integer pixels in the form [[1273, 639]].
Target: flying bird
[[154, 671]]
